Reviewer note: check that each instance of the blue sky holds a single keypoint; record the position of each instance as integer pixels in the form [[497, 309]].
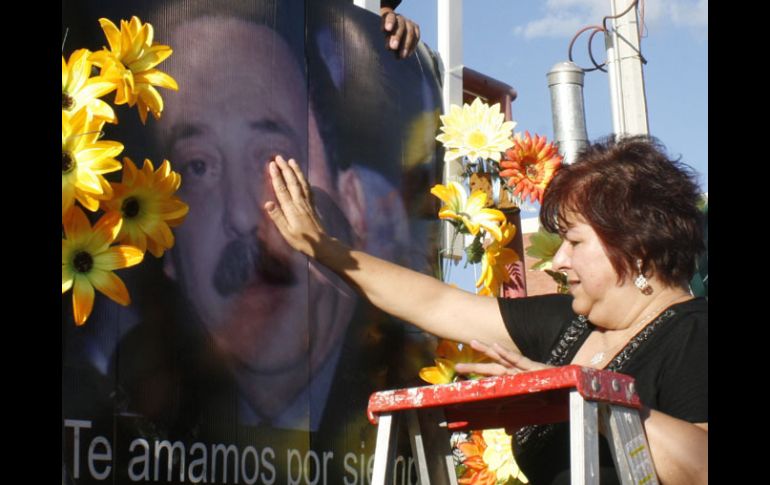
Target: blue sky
[[518, 41]]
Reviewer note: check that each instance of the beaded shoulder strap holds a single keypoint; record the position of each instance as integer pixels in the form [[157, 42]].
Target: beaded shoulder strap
[[567, 341]]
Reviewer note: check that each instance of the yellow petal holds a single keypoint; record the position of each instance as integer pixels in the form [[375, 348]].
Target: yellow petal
[[106, 229], [442, 373], [112, 33], [86, 200], [103, 110], [154, 56], [67, 279], [95, 89], [67, 198], [118, 257], [108, 283], [157, 78], [82, 299], [64, 73], [76, 224], [163, 235]]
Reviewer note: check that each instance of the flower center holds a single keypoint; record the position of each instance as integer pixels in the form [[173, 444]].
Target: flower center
[[67, 162], [83, 262], [477, 139], [532, 172], [130, 207], [66, 101]]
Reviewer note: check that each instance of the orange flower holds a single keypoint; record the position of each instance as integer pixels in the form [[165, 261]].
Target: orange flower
[[530, 165], [476, 470]]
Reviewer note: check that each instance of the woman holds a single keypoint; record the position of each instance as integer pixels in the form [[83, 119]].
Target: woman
[[631, 233]]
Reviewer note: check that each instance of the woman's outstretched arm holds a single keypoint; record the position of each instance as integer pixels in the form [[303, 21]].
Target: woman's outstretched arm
[[411, 296]]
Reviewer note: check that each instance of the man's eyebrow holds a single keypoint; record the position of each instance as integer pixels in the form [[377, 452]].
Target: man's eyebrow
[[273, 126], [185, 130]]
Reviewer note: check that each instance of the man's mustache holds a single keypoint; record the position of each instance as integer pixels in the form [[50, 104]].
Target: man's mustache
[[244, 260]]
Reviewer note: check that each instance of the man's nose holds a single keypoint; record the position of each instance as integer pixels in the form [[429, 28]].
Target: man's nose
[[242, 216], [561, 259]]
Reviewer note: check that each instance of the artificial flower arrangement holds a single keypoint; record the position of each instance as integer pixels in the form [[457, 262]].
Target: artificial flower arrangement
[[135, 214], [512, 168]]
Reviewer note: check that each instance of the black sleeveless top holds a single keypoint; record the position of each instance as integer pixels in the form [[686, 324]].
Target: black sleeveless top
[[668, 359]]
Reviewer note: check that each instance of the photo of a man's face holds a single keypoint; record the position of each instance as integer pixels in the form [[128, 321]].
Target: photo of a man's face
[[232, 337], [244, 101]]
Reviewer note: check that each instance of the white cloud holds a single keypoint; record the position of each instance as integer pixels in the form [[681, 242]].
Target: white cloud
[[691, 14], [563, 18]]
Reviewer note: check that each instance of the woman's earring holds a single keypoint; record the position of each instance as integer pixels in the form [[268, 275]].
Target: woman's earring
[[641, 282]]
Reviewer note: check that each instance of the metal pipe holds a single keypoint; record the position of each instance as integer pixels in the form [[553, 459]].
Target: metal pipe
[[565, 82]]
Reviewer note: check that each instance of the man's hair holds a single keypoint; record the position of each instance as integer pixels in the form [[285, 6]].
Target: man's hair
[[641, 204]]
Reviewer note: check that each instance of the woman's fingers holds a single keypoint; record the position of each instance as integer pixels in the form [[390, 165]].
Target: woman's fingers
[[301, 179], [488, 351], [290, 179], [276, 214], [484, 369], [506, 357], [280, 187]]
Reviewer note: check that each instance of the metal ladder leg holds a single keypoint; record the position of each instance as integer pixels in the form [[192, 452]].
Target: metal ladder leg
[[629, 445], [431, 449], [385, 450], [584, 440]]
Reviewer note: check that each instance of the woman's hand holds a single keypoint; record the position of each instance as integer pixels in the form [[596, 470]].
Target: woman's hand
[[294, 215], [505, 362]]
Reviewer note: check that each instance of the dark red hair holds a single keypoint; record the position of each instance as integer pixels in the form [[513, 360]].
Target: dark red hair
[[641, 204]]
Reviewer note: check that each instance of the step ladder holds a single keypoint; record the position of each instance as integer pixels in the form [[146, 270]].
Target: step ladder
[[580, 395]]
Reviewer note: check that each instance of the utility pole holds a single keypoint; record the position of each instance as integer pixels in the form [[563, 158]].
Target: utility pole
[[624, 65], [371, 5], [450, 49]]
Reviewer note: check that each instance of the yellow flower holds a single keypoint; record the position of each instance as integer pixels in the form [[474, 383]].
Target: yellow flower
[[87, 261], [84, 160], [442, 373], [475, 131], [449, 353], [145, 201], [530, 166], [79, 90], [129, 65], [494, 261], [469, 211], [498, 456]]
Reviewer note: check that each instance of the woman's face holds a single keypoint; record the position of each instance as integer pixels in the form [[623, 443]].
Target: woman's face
[[592, 280]]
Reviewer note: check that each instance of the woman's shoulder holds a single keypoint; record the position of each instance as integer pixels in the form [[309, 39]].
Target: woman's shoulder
[[693, 312], [684, 326]]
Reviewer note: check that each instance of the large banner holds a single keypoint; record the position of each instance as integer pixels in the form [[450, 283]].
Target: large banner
[[238, 361]]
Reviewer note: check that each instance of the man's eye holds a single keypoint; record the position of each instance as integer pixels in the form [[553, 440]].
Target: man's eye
[[197, 167]]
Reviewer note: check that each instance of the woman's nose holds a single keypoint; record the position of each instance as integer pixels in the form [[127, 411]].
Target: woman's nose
[[561, 259]]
